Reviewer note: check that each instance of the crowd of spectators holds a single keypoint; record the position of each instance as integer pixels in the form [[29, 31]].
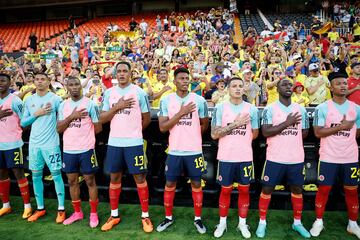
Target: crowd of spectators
[[204, 43]]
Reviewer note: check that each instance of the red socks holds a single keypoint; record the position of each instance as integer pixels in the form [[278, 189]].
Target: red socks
[[76, 205], [114, 193], [224, 201], [197, 196], [143, 193], [243, 200], [264, 202], [93, 205], [5, 190], [321, 200], [297, 204], [24, 190], [352, 202], [169, 195]]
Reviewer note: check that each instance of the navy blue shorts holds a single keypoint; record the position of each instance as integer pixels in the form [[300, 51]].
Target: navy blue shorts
[[193, 165], [273, 174], [85, 163], [118, 159], [348, 173], [12, 158], [239, 172]]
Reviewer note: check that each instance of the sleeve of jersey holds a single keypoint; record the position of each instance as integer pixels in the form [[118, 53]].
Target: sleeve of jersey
[[254, 117], [319, 116], [106, 104], [17, 106], [357, 122], [266, 117], [94, 112], [60, 112], [58, 101], [217, 116], [304, 119], [27, 119], [164, 107], [202, 105], [144, 101]]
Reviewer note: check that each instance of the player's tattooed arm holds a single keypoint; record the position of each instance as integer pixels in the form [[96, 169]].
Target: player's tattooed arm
[[219, 132]]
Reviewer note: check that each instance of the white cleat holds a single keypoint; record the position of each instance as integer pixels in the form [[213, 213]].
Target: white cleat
[[355, 230], [244, 229], [316, 229], [219, 231]]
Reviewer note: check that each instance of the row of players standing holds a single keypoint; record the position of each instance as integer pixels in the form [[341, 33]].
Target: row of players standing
[[185, 116]]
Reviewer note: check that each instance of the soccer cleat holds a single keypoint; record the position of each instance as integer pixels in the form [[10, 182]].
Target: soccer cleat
[[76, 216], [27, 213], [301, 230], [260, 231], [355, 230], [244, 229], [164, 224], [94, 220], [36, 215], [110, 223], [4, 211], [60, 218], [200, 226], [147, 225], [219, 230], [316, 229]]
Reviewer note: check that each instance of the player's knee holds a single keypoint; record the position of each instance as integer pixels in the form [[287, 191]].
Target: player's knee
[[115, 177], [296, 189], [18, 173], [195, 184], [90, 181], [139, 178], [4, 174], [267, 190], [170, 184]]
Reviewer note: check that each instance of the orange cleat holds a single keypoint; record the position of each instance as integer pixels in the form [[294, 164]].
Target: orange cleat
[[27, 213], [36, 215], [60, 218], [147, 225], [4, 211], [110, 223]]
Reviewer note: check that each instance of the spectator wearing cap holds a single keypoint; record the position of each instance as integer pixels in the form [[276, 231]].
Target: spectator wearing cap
[[316, 86], [251, 88], [219, 68], [354, 83], [299, 96]]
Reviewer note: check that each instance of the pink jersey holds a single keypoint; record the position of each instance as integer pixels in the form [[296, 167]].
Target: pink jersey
[[236, 146], [126, 123], [80, 134], [342, 146], [10, 129], [287, 146], [186, 134]]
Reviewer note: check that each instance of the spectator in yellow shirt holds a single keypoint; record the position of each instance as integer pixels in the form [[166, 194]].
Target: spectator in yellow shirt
[[333, 35], [162, 88], [299, 96]]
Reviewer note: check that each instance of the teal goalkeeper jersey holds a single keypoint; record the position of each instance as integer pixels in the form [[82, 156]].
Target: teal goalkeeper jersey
[[43, 129]]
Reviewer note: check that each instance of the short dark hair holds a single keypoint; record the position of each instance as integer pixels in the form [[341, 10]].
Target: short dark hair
[[42, 73], [73, 78], [234, 79], [123, 63], [181, 70], [6, 76]]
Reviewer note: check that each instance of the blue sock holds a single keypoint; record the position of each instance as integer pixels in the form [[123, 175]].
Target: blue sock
[[59, 188], [38, 188]]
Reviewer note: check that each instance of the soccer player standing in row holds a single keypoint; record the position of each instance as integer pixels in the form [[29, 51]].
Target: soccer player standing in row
[[337, 124], [44, 145], [185, 115], [235, 124], [11, 156], [284, 124], [79, 121], [127, 107]]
